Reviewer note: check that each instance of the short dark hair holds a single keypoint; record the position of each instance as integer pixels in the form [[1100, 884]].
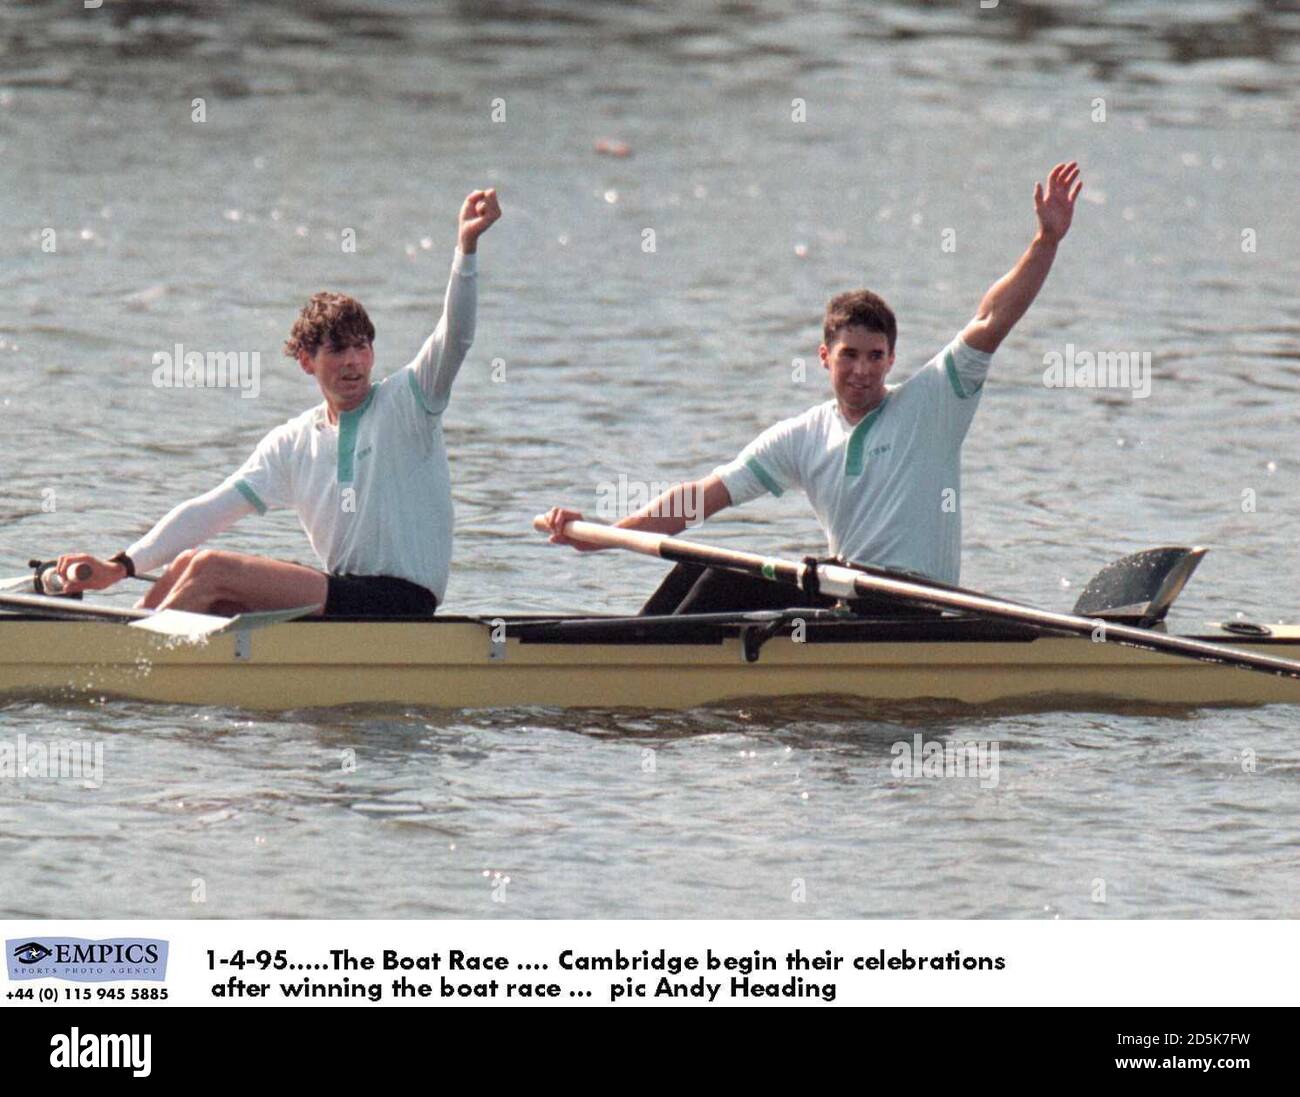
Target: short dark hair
[[859, 308], [329, 318]]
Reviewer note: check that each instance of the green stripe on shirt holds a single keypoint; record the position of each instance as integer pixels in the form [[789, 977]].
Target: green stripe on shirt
[[858, 440], [349, 421], [246, 490], [419, 393], [954, 379], [764, 477]]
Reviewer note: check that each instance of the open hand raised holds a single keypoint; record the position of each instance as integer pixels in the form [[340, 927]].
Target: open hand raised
[[1055, 209]]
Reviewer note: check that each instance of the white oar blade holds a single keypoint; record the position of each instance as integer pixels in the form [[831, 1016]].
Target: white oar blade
[[182, 624], [200, 626], [243, 622]]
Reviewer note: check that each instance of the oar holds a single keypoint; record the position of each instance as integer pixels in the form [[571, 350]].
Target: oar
[[48, 578], [169, 622], [45, 578], [842, 582]]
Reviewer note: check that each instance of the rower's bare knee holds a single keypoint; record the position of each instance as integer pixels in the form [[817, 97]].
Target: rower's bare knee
[[214, 569], [204, 559], [182, 561]]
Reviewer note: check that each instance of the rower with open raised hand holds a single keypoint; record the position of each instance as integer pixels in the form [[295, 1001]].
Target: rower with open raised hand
[[879, 463], [366, 471]]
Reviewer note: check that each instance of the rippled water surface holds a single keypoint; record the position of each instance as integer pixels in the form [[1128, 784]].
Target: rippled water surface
[[612, 361]]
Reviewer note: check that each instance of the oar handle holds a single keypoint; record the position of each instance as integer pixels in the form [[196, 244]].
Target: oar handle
[[683, 552], [593, 533], [52, 581]]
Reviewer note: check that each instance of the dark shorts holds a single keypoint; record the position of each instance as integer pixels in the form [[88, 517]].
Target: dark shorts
[[377, 596]]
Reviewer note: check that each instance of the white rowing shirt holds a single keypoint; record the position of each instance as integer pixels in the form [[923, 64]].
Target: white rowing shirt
[[373, 492], [887, 490]]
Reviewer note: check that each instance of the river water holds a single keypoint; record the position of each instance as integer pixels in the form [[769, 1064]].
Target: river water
[[779, 153]]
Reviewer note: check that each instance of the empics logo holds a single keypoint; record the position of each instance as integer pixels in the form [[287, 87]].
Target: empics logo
[[33, 952], [77, 960]]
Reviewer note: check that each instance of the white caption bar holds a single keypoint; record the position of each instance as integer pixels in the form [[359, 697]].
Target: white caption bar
[[393, 963]]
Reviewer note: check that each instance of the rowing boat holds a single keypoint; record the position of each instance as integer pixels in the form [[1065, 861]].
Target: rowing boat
[[970, 649], [577, 662]]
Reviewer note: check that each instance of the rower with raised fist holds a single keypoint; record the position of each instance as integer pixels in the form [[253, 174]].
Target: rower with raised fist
[[366, 471]]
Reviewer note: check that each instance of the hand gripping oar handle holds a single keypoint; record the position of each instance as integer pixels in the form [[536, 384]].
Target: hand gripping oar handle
[[51, 582], [687, 552], [842, 582]]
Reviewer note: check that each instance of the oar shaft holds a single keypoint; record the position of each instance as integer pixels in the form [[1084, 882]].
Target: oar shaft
[[842, 582], [71, 608], [836, 580], [167, 622]]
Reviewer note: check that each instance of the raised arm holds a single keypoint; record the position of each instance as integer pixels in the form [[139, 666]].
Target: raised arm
[[441, 356], [1009, 298], [680, 506]]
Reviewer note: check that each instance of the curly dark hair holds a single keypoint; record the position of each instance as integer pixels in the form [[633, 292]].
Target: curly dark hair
[[859, 308], [329, 318]]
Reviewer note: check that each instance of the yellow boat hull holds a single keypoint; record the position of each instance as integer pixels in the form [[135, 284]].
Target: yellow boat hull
[[454, 663]]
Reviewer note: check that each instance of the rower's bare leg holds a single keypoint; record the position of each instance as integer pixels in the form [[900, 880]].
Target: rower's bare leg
[[209, 578], [163, 584]]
